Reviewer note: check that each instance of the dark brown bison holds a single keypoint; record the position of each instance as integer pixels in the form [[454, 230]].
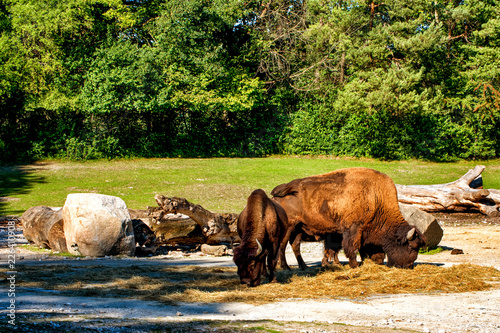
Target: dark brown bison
[[261, 227], [361, 205]]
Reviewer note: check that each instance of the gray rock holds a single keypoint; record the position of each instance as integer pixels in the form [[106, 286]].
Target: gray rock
[[425, 222], [97, 225], [216, 250]]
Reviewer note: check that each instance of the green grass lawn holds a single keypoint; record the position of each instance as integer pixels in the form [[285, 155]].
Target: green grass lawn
[[219, 184]]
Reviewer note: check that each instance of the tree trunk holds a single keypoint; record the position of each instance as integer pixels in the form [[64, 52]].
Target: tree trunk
[[464, 194]]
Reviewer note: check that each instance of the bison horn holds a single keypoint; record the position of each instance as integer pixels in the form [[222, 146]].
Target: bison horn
[[411, 234], [259, 248]]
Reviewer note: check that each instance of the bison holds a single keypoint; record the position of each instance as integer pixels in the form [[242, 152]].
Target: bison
[[361, 205], [261, 226]]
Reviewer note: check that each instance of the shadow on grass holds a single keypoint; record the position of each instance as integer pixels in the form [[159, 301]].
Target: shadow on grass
[[16, 180], [154, 298], [158, 283]]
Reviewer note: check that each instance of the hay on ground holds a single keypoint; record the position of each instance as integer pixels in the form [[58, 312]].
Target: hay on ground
[[201, 284]]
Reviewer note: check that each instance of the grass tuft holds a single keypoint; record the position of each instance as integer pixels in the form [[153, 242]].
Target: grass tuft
[[37, 249], [427, 251]]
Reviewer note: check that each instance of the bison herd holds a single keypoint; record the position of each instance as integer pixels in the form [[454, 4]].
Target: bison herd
[[355, 209]]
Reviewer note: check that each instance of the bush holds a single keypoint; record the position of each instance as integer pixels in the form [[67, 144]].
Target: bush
[[383, 135], [80, 149]]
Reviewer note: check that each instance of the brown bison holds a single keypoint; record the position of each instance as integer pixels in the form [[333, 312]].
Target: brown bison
[[261, 227], [361, 205]]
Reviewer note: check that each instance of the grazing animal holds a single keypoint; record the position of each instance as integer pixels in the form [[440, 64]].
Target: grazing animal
[[358, 203], [261, 226]]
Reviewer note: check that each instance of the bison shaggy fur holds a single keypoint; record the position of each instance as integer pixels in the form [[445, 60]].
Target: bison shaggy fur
[[360, 204], [261, 227]]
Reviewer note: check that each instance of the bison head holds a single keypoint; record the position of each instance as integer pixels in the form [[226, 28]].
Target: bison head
[[403, 250], [250, 262]]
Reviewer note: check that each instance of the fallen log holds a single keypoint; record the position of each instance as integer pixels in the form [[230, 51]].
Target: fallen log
[[464, 194], [169, 229], [217, 228]]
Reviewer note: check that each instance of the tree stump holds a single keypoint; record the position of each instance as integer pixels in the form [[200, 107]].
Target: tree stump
[[43, 226], [425, 222]]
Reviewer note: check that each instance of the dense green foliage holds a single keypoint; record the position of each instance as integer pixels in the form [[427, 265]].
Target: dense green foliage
[[85, 79]]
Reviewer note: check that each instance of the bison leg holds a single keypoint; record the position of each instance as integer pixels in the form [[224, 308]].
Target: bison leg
[[295, 240], [333, 244], [272, 260], [282, 257], [350, 249], [378, 258], [331, 256], [271, 276], [263, 270], [294, 237]]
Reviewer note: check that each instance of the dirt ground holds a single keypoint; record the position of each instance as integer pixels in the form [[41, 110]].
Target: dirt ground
[[478, 238]]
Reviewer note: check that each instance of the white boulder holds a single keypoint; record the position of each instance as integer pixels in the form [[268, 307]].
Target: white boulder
[[97, 225]]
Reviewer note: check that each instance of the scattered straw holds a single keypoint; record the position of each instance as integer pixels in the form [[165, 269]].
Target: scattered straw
[[200, 284]]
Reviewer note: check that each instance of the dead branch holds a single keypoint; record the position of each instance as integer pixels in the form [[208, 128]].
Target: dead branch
[[463, 194]]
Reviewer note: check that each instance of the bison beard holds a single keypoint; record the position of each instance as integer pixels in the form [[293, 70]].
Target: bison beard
[[361, 205], [261, 227]]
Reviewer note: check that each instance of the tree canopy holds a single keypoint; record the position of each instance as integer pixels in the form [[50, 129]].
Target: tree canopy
[[84, 79]]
